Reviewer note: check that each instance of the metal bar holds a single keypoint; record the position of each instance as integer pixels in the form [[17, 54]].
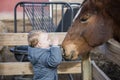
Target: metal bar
[[62, 18], [33, 15], [15, 16], [70, 77], [24, 19], [56, 14], [52, 13]]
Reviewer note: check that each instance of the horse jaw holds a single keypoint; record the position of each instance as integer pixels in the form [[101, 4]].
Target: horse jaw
[[74, 49]]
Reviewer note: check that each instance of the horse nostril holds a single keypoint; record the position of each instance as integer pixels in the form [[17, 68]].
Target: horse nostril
[[72, 54]]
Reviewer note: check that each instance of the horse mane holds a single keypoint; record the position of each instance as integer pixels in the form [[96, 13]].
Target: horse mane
[[113, 9]]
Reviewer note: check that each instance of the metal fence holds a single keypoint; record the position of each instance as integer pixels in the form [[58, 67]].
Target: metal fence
[[48, 16]]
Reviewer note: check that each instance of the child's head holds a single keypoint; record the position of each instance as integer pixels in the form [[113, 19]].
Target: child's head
[[38, 38]]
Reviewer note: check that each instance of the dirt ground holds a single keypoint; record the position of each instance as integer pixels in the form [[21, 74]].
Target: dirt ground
[[111, 69]]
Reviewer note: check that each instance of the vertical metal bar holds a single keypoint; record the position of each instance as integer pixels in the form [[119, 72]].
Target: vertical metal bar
[[62, 18], [52, 22], [70, 77], [42, 16], [72, 12], [15, 20], [56, 14], [23, 18], [49, 17], [33, 16], [15, 16]]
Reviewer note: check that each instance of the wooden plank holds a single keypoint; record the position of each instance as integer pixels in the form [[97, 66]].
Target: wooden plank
[[72, 67], [98, 74], [111, 50], [12, 39], [15, 68], [86, 67], [25, 68], [7, 39]]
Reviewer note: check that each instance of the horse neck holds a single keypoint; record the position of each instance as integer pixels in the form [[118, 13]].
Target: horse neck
[[116, 33], [112, 10]]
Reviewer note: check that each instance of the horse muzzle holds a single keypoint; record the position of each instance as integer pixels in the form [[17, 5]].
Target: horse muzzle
[[70, 56]]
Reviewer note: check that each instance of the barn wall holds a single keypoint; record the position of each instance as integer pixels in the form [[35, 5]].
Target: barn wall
[[69, 0], [7, 8]]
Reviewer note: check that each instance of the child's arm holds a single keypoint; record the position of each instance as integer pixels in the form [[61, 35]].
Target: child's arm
[[55, 57], [31, 56]]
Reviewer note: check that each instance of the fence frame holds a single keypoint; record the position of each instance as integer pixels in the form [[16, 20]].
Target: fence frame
[[24, 68]]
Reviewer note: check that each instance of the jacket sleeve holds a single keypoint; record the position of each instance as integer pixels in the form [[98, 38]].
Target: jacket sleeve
[[31, 58], [55, 57]]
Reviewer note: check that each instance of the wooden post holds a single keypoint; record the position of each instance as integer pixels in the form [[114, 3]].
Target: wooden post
[[86, 67]]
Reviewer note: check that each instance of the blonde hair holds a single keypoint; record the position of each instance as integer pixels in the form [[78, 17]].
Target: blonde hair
[[33, 37]]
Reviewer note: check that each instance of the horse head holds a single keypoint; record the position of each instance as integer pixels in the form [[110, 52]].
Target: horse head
[[93, 26]]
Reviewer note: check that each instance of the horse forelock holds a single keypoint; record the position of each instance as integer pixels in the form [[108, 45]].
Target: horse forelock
[[79, 10]]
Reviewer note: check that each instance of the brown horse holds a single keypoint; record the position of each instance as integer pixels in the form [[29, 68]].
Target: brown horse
[[96, 22]]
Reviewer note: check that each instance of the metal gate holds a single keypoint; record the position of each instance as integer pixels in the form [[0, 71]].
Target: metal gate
[[48, 16]]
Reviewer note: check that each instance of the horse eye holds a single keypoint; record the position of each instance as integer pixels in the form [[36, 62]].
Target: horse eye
[[84, 18]]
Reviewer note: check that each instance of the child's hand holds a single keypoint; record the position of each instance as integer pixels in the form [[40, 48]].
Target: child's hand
[[45, 44], [55, 41]]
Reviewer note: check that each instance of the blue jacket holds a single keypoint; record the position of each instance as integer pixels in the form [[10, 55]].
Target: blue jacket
[[45, 62]]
